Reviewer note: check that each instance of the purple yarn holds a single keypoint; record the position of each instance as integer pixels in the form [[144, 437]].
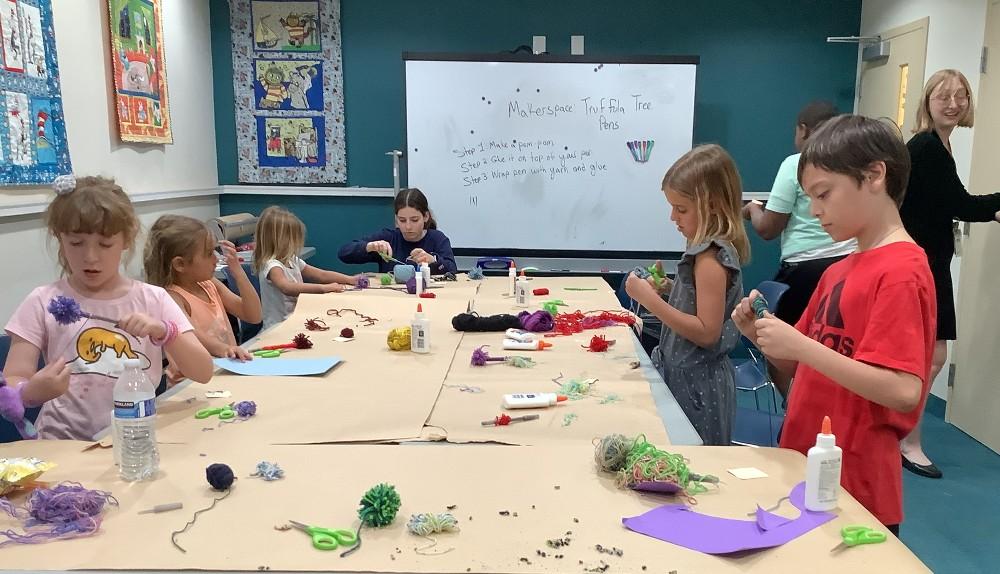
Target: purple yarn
[[363, 282], [537, 322], [245, 409], [65, 310], [68, 510], [411, 285], [480, 357], [12, 409]]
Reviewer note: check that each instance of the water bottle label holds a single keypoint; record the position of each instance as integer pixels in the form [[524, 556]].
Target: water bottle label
[[135, 409]]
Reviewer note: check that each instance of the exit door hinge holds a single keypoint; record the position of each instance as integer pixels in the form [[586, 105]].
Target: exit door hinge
[[983, 59], [951, 375]]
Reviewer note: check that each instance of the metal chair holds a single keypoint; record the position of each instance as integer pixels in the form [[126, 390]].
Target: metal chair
[[751, 374]]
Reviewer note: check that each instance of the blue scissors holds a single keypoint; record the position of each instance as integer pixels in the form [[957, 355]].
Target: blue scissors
[[325, 538], [225, 413], [857, 535]]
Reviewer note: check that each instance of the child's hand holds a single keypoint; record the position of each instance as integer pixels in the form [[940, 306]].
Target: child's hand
[[379, 247], [639, 289], [745, 318], [333, 288], [356, 279], [229, 254], [749, 209], [665, 285], [52, 380], [238, 353], [421, 256], [779, 340], [140, 325]]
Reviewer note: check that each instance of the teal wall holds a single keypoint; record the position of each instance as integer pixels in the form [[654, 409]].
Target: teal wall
[[761, 60]]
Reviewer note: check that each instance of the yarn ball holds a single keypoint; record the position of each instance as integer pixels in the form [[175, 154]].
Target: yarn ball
[[399, 339], [493, 323], [362, 282], [220, 476], [347, 333], [610, 452], [385, 279], [428, 523], [65, 310], [537, 322], [411, 285], [245, 409], [379, 505]]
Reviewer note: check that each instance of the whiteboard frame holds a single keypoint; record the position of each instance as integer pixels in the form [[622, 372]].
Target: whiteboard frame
[[549, 59]]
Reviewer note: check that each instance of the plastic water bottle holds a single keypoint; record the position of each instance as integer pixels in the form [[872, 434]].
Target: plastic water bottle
[[135, 424]]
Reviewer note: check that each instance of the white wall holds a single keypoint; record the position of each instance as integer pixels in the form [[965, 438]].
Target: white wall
[[955, 36], [188, 164]]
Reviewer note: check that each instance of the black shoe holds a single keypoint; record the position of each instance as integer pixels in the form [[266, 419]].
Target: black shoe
[[925, 470]]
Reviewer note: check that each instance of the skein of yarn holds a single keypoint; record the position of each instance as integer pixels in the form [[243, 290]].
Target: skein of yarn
[[220, 476], [399, 339], [537, 322], [493, 323]]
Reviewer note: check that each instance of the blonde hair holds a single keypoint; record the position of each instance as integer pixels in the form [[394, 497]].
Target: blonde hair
[[708, 176], [172, 236], [924, 121], [96, 205], [280, 235]]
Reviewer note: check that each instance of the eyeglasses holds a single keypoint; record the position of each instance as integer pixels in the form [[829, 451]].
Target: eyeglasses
[[959, 98]]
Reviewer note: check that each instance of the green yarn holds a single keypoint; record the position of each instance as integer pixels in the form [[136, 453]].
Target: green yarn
[[611, 398], [610, 452], [385, 279], [645, 463], [575, 389], [379, 505], [520, 362], [568, 419]]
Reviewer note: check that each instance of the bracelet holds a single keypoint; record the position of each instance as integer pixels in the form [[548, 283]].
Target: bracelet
[[169, 335]]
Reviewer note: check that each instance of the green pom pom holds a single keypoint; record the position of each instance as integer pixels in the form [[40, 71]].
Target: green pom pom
[[379, 505]]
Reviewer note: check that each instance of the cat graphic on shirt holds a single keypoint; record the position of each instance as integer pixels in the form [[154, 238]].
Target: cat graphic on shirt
[[103, 352]]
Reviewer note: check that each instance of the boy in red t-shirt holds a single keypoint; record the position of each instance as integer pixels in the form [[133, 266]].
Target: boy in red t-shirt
[[861, 352]]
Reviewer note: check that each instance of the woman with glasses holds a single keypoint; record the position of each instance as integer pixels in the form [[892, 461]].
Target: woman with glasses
[[935, 198]]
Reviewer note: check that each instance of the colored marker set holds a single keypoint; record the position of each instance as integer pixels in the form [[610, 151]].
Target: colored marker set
[[641, 149]]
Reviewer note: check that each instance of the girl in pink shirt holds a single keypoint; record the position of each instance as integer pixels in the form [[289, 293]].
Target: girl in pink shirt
[[94, 223], [180, 257]]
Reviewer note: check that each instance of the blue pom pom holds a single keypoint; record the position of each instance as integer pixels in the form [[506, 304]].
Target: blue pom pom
[[220, 476], [65, 310]]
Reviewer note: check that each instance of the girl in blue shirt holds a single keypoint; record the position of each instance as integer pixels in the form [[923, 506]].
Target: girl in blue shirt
[[414, 239]]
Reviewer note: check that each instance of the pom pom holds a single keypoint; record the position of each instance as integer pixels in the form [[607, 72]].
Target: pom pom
[[598, 344], [347, 333], [301, 341], [362, 282], [411, 285], [537, 322], [65, 310], [476, 274], [379, 505], [245, 409], [493, 323], [64, 184], [220, 476], [399, 339]]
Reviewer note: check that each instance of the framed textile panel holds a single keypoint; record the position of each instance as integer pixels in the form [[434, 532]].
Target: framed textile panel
[[288, 81], [139, 70]]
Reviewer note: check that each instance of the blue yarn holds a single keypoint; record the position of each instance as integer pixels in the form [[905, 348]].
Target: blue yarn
[[269, 471]]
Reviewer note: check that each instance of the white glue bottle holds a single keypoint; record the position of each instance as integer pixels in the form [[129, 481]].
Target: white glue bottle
[[420, 332], [511, 278], [425, 270], [531, 400], [823, 463], [522, 293], [418, 279]]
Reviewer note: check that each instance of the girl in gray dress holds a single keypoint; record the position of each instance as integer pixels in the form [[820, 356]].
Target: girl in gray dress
[[705, 195]]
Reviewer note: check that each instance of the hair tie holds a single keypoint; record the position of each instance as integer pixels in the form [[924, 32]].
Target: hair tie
[[64, 184]]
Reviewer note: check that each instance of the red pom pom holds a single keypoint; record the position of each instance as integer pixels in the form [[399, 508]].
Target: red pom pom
[[541, 291], [598, 344], [347, 333], [502, 420], [301, 341]]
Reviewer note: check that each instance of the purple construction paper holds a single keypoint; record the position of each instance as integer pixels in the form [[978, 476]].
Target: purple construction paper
[[713, 535]]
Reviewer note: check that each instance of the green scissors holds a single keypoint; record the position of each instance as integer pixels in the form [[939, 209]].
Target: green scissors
[[267, 354], [225, 413], [325, 538], [857, 535]]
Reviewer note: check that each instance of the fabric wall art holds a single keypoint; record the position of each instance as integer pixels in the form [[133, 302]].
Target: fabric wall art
[[33, 145], [140, 71], [288, 81]]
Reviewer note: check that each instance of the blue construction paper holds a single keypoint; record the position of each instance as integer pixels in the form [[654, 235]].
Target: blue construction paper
[[680, 525], [278, 367]]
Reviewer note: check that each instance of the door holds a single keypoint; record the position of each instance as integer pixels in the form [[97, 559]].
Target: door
[[975, 398], [891, 88]]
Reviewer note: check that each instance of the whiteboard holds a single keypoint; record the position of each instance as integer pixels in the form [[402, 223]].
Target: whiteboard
[[534, 155]]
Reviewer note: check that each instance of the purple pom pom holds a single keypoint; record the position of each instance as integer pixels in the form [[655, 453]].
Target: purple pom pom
[[245, 409], [65, 310], [537, 322], [480, 357]]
